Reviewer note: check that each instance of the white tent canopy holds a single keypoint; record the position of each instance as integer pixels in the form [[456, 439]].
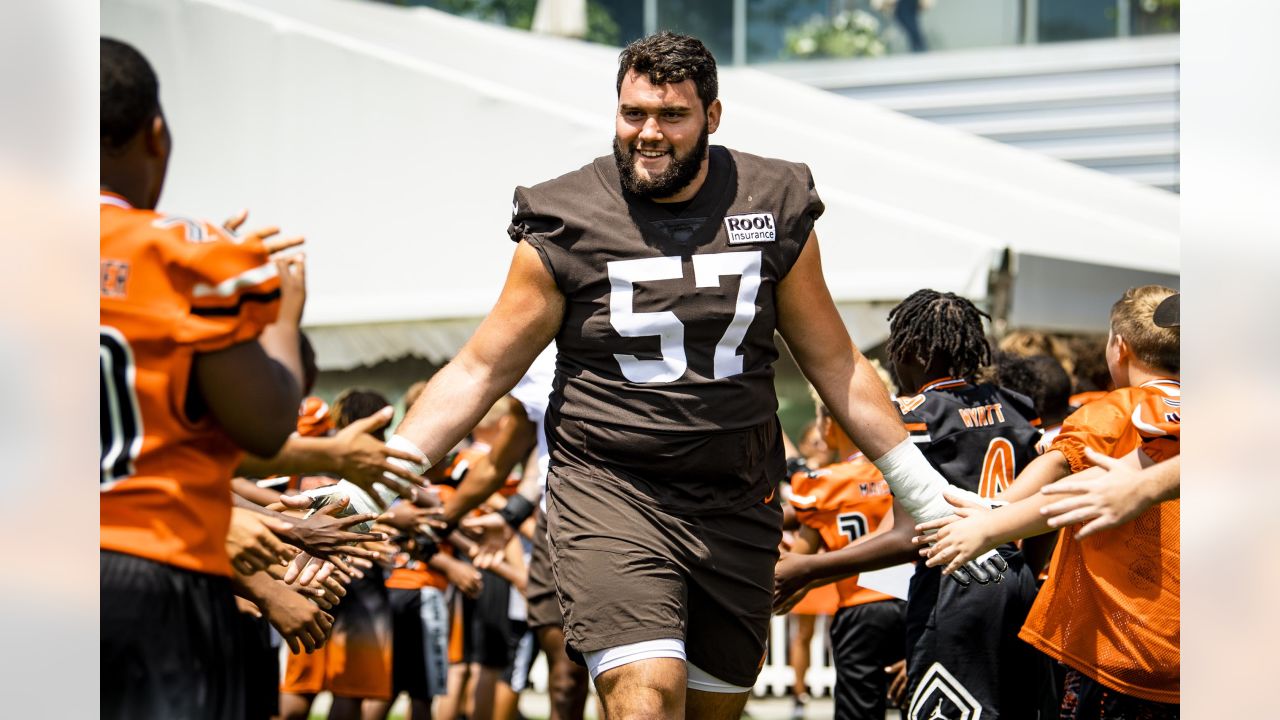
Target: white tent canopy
[[393, 137]]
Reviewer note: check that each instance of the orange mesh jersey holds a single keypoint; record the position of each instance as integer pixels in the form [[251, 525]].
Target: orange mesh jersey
[[170, 288], [843, 502], [1110, 608]]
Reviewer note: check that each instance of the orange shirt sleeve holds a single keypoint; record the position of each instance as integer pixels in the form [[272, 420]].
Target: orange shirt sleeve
[[1097, 425], [231, 285]]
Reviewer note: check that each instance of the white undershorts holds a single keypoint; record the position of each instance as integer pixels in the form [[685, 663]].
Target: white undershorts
[[599, 661]]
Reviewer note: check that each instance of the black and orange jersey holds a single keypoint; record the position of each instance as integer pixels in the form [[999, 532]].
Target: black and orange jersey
[[1110, 607], [978, 436], [843, 502], [170, 288]]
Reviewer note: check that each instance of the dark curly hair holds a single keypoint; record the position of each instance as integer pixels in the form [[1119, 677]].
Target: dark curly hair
[[358, 403], [129, 93], [667, 57], [939, 330]]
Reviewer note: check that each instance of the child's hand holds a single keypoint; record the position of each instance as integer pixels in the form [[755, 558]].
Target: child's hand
[[962, 539], [959, 540]]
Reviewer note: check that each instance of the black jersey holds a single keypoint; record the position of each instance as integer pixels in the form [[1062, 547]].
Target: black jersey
[[964, 657], [978, 436], [669, 316]]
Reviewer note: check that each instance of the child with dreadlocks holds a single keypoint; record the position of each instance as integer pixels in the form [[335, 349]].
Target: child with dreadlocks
[[964, 652], [964, 659]]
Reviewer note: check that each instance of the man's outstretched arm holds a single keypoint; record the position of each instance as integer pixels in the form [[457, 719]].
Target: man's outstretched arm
[[854, 395], [526, 317]]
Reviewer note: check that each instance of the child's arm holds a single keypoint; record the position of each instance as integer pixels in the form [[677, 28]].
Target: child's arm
[[974, 530], [1120, 492], [1049, 467]]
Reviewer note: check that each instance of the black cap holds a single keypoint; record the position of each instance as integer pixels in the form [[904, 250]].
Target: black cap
[[1166, 315]]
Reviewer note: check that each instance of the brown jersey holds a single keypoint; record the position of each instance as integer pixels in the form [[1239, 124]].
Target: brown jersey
[[1110, 607], [669, 316], [170, 288]]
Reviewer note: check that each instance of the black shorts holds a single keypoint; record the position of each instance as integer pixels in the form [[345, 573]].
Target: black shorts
[[540, 591], [491, 636], [517, 674], [966, 653], [408, 655], [628, 571], [864, 640], [170, 642], [261, 665]]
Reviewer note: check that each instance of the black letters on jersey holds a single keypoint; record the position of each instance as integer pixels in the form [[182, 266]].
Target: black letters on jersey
[[978, 436], [669, 316]]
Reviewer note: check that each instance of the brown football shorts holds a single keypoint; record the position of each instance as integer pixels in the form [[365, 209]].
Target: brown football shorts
[[629, 568]]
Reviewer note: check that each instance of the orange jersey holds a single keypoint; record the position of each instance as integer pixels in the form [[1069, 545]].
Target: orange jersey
[[843, 502], [170, 288], [1110, 607], [1081, 399]]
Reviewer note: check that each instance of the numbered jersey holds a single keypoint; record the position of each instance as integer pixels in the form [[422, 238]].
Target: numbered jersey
[[669, 316], [978, 436], [1111, 605], [170, 288], [843, 502]]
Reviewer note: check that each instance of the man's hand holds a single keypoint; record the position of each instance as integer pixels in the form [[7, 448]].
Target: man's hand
[[1110, 494], [307, 569], [960, 542], [897, 673], [323, 594], [411, 518], [363, 459], [323, 534], [290, 502], [302, 624], [491, 533], [463, 576], [252, 544]]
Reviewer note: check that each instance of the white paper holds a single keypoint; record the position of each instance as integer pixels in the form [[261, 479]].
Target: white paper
[[890, 581]]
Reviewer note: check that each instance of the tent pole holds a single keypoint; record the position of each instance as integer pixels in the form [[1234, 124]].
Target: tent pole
[[1000, 291]]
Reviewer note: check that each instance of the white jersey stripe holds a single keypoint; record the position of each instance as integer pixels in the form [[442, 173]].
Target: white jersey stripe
[[232, 285]]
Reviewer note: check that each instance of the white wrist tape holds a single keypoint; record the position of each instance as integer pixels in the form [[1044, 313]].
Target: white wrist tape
[[917, 485], [403, 444]]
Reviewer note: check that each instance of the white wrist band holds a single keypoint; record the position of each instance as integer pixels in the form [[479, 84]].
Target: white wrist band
[[404, 487], [404, 444], [917, 485]]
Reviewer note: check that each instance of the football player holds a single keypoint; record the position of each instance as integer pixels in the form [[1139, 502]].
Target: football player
[[1110, 608], [200, 360], [662, 271]]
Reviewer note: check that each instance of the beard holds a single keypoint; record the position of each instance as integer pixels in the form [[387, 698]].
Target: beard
[[681, 170]]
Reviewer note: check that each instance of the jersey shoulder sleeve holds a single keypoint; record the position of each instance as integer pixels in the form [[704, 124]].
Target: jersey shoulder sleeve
[[915, 417], [1098, 425], [551, 216], [798, 204], [213, 289], [230, 283], [806, 496]]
